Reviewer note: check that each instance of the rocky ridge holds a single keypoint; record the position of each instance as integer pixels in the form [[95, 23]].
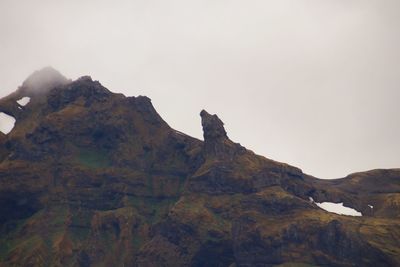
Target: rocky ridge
[[93, 178]]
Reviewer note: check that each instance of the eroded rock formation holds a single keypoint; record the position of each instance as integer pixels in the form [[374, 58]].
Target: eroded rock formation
[[93, 178]]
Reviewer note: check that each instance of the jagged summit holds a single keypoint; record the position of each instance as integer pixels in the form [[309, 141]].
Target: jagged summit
[[213, 127], [43, 80], [89, 177], [216, 141], [49, 88]]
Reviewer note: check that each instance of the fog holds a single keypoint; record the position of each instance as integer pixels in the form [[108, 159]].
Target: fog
[[43, 80], [314, 83]]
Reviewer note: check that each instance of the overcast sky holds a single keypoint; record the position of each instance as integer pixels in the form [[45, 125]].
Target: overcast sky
[[314, 83]]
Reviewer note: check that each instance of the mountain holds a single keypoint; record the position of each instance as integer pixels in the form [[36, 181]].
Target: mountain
[[93, 178]]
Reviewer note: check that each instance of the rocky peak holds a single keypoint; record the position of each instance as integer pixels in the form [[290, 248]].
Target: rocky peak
[[114, 185], [84, 87], [43, 80], [216, 142], [213, 127]]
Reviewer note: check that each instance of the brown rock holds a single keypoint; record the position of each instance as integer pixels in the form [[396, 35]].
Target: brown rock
[[92, 178]]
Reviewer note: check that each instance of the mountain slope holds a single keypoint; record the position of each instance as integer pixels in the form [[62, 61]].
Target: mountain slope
[[93, 178]]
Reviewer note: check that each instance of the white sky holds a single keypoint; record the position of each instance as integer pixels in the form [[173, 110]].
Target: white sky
[[7, 123], [338, 208], [314, 83]]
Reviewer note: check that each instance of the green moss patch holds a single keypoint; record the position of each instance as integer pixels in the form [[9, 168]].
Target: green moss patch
[[94, 158]]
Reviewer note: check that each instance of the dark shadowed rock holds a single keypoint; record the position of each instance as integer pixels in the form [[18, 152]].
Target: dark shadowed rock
[[213, 127], [216, 142]]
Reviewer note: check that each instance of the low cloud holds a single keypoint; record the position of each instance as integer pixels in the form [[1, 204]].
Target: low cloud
[[43, 80]]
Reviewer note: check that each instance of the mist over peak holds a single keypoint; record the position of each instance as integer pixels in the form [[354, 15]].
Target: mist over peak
[[43, 80]]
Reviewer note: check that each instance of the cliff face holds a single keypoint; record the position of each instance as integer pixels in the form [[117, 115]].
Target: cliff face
[[93, 178]]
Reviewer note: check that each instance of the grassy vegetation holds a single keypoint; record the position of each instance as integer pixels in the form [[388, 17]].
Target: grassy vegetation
[[150, 184], [94, 158], [7, 244], [79, 234], [156, 207], [182, 180], [5, 247], [295, 264], [137, 241]]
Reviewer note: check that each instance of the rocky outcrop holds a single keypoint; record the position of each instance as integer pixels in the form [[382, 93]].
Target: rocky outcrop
[[213, 128], [216, 142], [92, 178]]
